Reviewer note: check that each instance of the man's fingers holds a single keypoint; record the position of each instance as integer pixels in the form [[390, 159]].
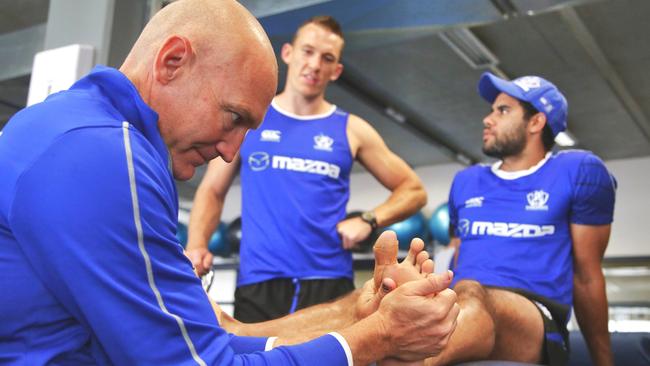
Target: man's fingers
[[448, 298], [207, 262], [432, 284], [387, 285]]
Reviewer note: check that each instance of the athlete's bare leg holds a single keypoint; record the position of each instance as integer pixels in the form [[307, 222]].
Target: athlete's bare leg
[[493, 324]]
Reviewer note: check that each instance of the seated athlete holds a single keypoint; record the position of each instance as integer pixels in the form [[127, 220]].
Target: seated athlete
[[531, 231]]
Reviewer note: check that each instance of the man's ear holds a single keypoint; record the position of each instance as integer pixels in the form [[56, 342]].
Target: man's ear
[[285, 53], [537, 122], [337, 72], [174, 53]]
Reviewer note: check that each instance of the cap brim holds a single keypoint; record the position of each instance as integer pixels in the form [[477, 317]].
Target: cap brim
[[489, 86]]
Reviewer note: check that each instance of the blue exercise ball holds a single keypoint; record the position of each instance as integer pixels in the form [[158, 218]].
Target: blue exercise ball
[[439, 224], [181, 234], [408, 229], [233, 235], [218, 244]]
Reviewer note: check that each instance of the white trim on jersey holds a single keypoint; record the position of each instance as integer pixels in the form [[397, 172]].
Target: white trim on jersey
[[303, 118], [519, 173], [147, 261]]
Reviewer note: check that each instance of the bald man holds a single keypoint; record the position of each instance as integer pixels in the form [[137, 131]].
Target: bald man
[[91, 270]]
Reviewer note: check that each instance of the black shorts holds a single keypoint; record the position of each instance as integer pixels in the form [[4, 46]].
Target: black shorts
[[555, 350], [279, 297]]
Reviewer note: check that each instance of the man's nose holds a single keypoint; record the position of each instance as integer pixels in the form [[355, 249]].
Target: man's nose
[[314, 62], [230, 146], [487, 122]]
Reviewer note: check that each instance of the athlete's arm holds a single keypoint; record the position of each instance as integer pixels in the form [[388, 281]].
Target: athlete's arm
[[407, 192], [206, 211], [590, 298], [454, 242], [592, 211]]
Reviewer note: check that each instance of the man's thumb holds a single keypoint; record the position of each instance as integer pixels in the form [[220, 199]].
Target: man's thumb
[[387, 285], [430, 285]]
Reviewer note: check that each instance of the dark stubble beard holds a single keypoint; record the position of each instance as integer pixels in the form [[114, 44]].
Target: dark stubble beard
[[508, 145]]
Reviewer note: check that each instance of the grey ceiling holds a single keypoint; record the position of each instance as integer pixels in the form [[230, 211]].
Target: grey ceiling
[[597, 52]]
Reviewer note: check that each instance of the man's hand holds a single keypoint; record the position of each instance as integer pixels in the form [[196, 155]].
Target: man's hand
[[419, 317], [200, 257], [353, 231], [413, 322]]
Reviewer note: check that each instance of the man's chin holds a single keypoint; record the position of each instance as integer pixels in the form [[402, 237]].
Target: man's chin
[[185, 173], [491, 151]]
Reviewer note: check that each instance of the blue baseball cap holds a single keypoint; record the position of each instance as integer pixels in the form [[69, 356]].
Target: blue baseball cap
[[539, 92]]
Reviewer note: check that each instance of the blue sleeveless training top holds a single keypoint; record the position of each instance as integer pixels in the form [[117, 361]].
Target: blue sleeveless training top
[[295, 175]]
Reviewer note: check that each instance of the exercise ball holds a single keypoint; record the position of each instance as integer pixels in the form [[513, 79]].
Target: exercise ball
[[218, 245], [439, 224], [181, 234], [233, 235], [364, 246], [408, 229]]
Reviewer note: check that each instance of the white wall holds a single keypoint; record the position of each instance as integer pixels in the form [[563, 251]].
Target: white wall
[[632, 213], [367, 193], [631, 217]]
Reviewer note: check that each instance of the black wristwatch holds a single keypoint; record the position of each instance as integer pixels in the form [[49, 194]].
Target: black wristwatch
[[370, 218]]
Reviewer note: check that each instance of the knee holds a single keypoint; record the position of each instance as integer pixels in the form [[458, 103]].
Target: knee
[[478, 314], [471, 291]]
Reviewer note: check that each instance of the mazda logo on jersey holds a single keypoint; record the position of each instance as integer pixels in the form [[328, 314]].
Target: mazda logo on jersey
[[463, 227], [503, 229], [258, 161]]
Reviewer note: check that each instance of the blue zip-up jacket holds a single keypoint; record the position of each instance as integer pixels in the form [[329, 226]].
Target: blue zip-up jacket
[[91, 270]]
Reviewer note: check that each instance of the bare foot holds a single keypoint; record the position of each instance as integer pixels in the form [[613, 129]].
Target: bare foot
[[389, 274], [416, 264]]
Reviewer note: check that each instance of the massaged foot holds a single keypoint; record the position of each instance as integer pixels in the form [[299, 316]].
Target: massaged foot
[[416, 264], [388, 273]]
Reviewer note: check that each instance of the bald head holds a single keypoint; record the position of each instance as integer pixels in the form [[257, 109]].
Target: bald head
[[209, 71], [209, 25]]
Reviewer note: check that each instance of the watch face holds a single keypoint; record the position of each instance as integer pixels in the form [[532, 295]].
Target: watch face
[[368, 216]]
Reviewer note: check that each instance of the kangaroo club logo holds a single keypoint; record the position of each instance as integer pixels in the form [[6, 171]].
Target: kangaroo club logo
[[537, 201], [323, 142]]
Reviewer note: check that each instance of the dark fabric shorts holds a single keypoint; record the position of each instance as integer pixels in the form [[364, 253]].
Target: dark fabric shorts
[[555, 315], [278, 297]]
